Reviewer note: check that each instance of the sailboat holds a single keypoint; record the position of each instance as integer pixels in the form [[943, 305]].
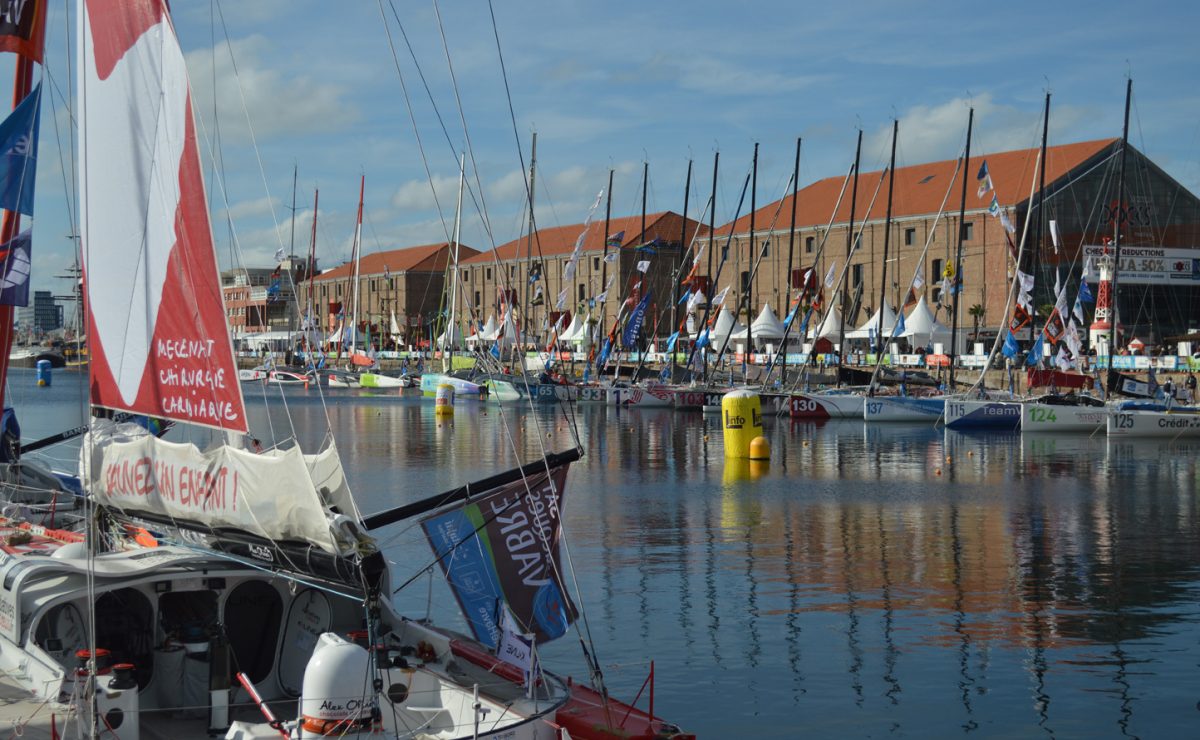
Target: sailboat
[[217, 581]]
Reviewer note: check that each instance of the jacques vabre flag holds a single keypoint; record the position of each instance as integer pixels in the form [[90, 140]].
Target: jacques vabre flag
[[18, 154], [14, 271], [23, 27], [501, 547], [634, 326]]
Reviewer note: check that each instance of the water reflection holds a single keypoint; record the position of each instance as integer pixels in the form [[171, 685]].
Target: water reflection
[[868, 580]]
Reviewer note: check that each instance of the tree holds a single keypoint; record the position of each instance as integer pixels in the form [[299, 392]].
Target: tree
[[976, 313]]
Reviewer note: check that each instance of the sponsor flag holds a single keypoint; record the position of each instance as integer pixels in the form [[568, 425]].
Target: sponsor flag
[[994, 207], [14, 270], [643, 265], [1020, 319], [985, 180], [1054, 328], [1085, 293], [1009, 226], [911, 299], [1010, 347], [18, 154], [1035, 352], [1062, 359], [23, 28], [918, 278], [829, 275], [634, 326], [615, 240], [501, 547]]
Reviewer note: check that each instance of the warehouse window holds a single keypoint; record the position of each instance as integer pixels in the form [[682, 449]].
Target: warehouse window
[[808, 244], [910, 237], [968, 230]]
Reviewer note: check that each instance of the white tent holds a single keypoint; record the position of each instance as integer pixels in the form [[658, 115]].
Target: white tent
[[830, 327], [451, 336], [872, 324], [726, 326], [572, 331], [921, 328], [767, 326]]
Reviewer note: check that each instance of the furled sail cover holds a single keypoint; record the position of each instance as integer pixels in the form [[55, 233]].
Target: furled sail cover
[[157, 331], [269, 494]]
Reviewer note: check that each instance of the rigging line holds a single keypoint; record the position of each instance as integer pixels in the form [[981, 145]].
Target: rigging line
[[412, 116]]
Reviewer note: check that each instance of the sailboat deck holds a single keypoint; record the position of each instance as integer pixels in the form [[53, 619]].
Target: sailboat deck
[[22, 716]]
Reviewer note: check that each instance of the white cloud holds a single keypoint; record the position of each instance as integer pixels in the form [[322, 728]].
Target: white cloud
[[264, 206], [275, 103]]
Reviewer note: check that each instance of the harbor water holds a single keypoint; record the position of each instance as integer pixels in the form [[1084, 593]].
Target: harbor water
[[871, 580]]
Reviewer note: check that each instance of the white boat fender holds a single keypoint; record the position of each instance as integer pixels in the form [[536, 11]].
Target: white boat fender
[[336, 699]]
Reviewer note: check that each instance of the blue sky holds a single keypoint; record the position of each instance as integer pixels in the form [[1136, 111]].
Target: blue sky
[[612, 84]]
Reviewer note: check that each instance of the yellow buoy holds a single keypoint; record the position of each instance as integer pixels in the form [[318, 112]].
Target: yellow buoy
[[741, 418], [760, 448], [443, 403]]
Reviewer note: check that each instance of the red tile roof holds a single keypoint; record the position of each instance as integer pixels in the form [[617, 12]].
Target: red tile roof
[[427, 258], [559, 240], [920, 188]]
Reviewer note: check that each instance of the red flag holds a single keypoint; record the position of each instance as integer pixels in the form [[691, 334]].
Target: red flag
[[23, 28], [1020, 319]]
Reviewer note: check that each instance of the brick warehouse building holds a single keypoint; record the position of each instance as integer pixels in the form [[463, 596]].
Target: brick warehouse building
[[1080, 194], [546, 253], [411, 282]]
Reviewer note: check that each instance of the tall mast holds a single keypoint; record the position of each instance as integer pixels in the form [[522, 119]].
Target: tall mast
[[1039, 238], [1116, 268], [292, 256], [526, 309], [22, 84], [310, 272], [683, 249], [849, 252], [356, 252], [887, 234], [448, 356], [753, 260], [645, 183], [957, 278], [604, 260], [787, 292]]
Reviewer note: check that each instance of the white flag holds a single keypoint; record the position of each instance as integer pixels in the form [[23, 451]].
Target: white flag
[[1087, 269], [1061, 359], [515, 647], [1073, 342], [569, 270], [561, 301], [1008, 225], [919, 278], [720, 299], [1054, 234], [280, 254], [694, 300], [643, 265], [829, 275], [1026, 281], [611, 256], [602, 297]]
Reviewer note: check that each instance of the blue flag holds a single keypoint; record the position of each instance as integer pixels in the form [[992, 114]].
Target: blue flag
[[671, 340], [702, 340], [18, 154], [899, 329], [634, 326], [14, 271], [602, 357], [1035, 352], [1085, 293], [1010, 347], [495, 351]]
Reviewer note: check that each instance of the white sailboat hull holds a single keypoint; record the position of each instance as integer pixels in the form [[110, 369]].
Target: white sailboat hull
[[903, 408], [822, 406], [1043, 418], [1144, 423], [641, 397]]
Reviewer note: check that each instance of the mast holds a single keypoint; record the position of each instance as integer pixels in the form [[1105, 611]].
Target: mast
[[849, 252], [712, 230], [604, 260], [310, 271], [683, 249], [357, 248], [526, 309], [1116, 268], [22, 85], [448, 356], [752, 265], [292, 252], [956, 278], [887, 234], [791, 256]]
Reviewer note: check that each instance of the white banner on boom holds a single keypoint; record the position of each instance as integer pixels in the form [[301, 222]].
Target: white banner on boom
[[269, 494]]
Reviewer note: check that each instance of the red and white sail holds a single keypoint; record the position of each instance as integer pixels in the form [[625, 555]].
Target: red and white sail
[[157, 335]]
